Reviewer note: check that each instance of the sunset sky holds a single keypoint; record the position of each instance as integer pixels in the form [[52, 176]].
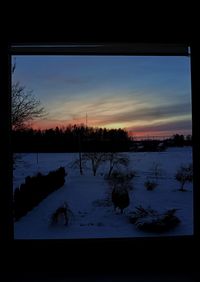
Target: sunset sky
[[145, 95]]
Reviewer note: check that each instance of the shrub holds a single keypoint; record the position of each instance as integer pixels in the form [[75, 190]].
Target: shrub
[[120, 198], [118, 178], [183, 175], [150, 185], [152, 221], [62, 213], [156, 170]]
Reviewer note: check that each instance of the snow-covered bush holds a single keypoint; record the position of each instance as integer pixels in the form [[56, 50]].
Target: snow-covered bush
[[150, 185], [148, 219], [183, 175], [118, 178], [61, 215]]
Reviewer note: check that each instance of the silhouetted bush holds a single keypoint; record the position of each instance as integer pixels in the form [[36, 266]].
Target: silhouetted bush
[[183, 175], [120, 198], [35, 189], [120, 178]]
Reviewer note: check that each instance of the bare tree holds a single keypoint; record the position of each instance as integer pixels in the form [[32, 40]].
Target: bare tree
[[115, 160], [156, 170], [183, 175], [96, 158], [25, 106]]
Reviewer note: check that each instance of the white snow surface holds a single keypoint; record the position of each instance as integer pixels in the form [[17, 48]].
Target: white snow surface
[[93, 215]]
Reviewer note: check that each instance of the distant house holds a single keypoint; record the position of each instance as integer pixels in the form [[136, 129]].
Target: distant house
[[161, 146], [148, 146]]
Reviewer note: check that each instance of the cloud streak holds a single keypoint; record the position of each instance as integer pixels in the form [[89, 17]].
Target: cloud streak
[[146, 113], [167, 128]]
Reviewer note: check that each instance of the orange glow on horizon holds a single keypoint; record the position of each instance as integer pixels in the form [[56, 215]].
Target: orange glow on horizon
[[157, 134], [90, 122]]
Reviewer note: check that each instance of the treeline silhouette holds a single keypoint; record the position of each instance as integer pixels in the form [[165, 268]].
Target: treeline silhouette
[[179, 140], [70, 139], [74, 138]]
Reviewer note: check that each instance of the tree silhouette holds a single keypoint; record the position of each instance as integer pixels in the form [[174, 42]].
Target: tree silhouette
[[96, 158], [183, 175], [25, 106], [115, 160]]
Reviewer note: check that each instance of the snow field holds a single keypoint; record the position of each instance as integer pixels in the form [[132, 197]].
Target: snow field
[[93, 215]]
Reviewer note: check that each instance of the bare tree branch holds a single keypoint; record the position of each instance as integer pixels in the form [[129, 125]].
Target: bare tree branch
[[96, 158], [25, 106]]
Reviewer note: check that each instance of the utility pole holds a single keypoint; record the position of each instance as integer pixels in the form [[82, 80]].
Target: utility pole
[[80, 156], [86, 120]]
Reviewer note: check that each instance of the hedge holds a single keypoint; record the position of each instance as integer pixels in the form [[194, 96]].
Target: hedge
[[35, 189]]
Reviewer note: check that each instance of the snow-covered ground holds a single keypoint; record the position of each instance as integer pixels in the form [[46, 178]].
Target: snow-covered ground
[[93, 216]]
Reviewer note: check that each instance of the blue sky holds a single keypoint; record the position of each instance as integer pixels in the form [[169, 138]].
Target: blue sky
[[145, 95]]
